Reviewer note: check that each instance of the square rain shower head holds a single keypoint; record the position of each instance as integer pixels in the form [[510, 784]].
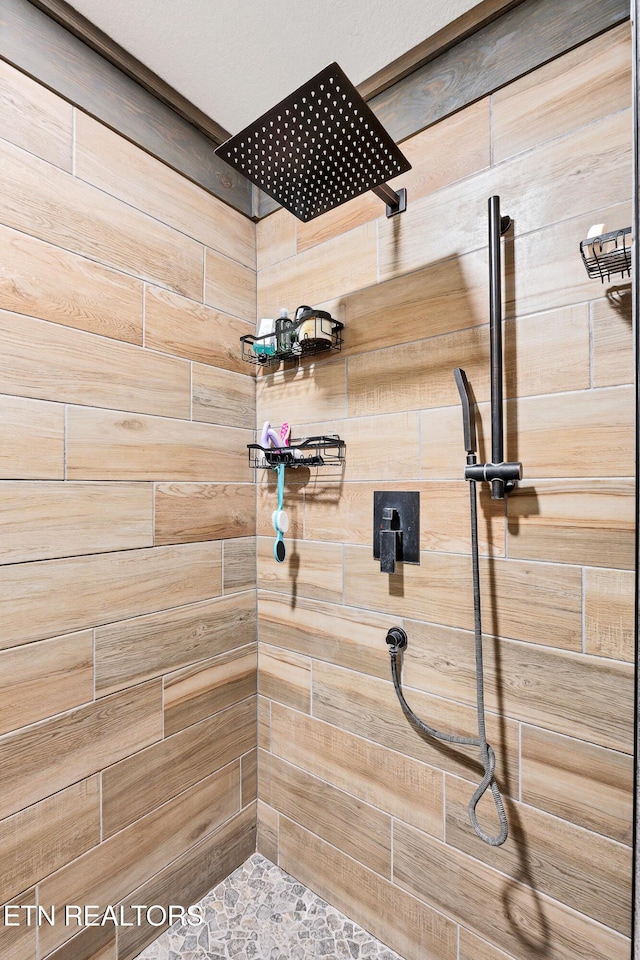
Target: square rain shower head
[[316, 149]]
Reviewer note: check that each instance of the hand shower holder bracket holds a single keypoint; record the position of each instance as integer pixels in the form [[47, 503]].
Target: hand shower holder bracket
[[505, 474]]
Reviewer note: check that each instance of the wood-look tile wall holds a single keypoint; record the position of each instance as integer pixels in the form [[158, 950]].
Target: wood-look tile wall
[[128, 686], [351, 799]]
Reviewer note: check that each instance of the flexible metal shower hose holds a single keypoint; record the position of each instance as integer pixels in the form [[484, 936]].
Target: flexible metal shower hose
[[486, 751]]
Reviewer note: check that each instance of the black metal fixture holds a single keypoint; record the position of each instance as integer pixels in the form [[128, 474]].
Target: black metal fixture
[[318, 148], [502, 476], [396, 528], [607, 254]]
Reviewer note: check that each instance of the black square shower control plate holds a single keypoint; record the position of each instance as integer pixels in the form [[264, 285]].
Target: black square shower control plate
[[318, 148], [407, 507]]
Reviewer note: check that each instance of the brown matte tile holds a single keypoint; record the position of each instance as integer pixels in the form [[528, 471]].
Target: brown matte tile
[[609, 612], [197, 691], [583, 870], [496, 906], [34, 118], [284, 676], [405, 924], [569, 92], [580, 782]]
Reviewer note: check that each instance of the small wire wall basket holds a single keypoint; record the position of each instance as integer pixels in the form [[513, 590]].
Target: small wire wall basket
[[312, 332], [322, 451], [607, 254]]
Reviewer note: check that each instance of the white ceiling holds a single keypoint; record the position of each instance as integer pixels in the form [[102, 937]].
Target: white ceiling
[[234, 59]]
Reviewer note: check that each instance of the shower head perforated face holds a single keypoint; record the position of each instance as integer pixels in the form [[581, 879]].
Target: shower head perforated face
[[318, 148]]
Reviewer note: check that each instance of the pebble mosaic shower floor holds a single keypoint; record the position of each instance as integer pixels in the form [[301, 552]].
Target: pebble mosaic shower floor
[[261, 913]]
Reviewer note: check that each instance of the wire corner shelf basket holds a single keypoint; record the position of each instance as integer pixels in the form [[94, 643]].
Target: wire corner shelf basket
[[608, 254]]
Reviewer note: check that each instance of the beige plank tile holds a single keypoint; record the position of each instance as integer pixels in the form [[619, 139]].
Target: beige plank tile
[[220, 396], [440, 298], [45, 520], [284, 676], [369, 441], [264, 723], [542, 270], [473, 948], [608, 613], [574, 522], [430, 591], [203, 511], [48, 361], [332, 269], [45, 281], [186, 880], [268, 832], [402, 787], [177, 325], [230, 286], [357, 829], [521, 594], [311, 569], [406, 925], [249, 777], [34, 118], [412, 243], [343, 512], [32, 439], [553, 433], [122, 169], [413, 376], [583, 870], [197, 692], [275, 238], [310, 391], [549, 435], [495, 906], [239, 565], [134, 650], [45, 678], [369, 708], [40, 760], [563, 691], [612, 339], [580, 782], [107, 445], [568, 187], [434, 166], [349, 637], [140, 783], [46, 202], [93, 943], [547, 353], [40, 839], [60, 596], [573, 90], [129, 858], [17, 940]]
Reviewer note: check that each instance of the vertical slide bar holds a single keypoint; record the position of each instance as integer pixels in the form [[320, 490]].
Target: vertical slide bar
[[495, 333]]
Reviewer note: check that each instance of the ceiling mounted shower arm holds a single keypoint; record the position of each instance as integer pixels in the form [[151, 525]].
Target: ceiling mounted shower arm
[[396, 201]]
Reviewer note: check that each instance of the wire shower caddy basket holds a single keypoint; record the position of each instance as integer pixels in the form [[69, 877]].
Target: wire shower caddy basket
[[607, 254]]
